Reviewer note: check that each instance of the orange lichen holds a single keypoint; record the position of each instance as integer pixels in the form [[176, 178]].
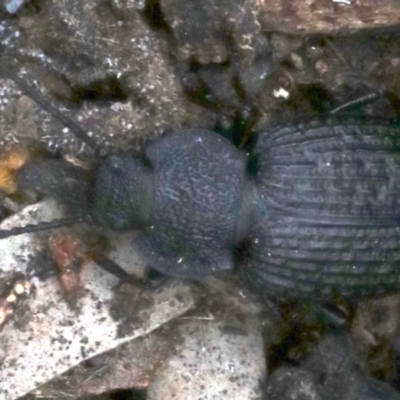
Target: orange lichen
[[9, 304], [11, 160]]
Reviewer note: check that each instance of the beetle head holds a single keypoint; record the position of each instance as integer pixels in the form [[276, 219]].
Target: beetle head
[[123, 193]]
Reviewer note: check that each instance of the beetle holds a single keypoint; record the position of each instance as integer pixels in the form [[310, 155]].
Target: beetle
[[320, 213]]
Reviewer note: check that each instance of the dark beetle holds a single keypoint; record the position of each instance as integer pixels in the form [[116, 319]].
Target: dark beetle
[[321, 212]]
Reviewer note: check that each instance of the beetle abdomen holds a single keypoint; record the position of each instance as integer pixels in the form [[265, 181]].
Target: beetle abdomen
[[327, 217]]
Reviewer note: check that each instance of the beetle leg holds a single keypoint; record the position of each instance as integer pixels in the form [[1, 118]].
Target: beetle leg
[[113, 268]]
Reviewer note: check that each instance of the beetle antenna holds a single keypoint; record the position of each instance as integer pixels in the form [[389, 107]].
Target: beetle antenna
[[31, 92], [113, 268], [43, 226], [369, 97]]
